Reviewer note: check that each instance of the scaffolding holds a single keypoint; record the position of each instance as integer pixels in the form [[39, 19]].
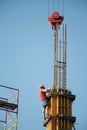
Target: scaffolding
[[9, 99]]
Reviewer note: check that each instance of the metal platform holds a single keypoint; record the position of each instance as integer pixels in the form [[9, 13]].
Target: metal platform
[[72, 118], [61, 92], [71, 96], [6, 105]]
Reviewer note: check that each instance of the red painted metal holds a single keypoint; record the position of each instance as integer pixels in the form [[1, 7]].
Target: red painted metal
[[55, 19]]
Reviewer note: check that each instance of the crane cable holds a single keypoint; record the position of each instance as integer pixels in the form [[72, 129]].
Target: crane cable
[[48, 7], [53, 7], [58, 5], [63, 8]]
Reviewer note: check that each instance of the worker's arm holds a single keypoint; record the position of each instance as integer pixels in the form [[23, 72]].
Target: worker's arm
[[43, 90]]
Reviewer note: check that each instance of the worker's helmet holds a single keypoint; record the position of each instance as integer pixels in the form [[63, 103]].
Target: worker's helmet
[[41, 86]]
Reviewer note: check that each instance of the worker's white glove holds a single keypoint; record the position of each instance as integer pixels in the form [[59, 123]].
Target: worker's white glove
[[48, 90]]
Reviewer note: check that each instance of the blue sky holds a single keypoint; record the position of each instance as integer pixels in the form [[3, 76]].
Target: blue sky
[[26, 55]]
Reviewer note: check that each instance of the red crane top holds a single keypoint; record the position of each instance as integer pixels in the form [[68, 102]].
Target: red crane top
[[55, 19]]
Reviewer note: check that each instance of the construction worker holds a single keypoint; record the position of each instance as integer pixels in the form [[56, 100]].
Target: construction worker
[[43, 99]]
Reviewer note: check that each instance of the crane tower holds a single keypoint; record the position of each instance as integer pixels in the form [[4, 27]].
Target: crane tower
[[59, 98]]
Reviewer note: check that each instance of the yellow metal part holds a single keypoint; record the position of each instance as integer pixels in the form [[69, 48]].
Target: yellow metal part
[[60, 108], [12, 123]]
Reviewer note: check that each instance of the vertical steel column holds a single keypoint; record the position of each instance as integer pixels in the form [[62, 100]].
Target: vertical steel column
[[64, 59], [55, 57], [59, 65]]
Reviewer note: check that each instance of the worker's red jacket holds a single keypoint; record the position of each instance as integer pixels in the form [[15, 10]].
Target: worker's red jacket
[[42, 95]]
